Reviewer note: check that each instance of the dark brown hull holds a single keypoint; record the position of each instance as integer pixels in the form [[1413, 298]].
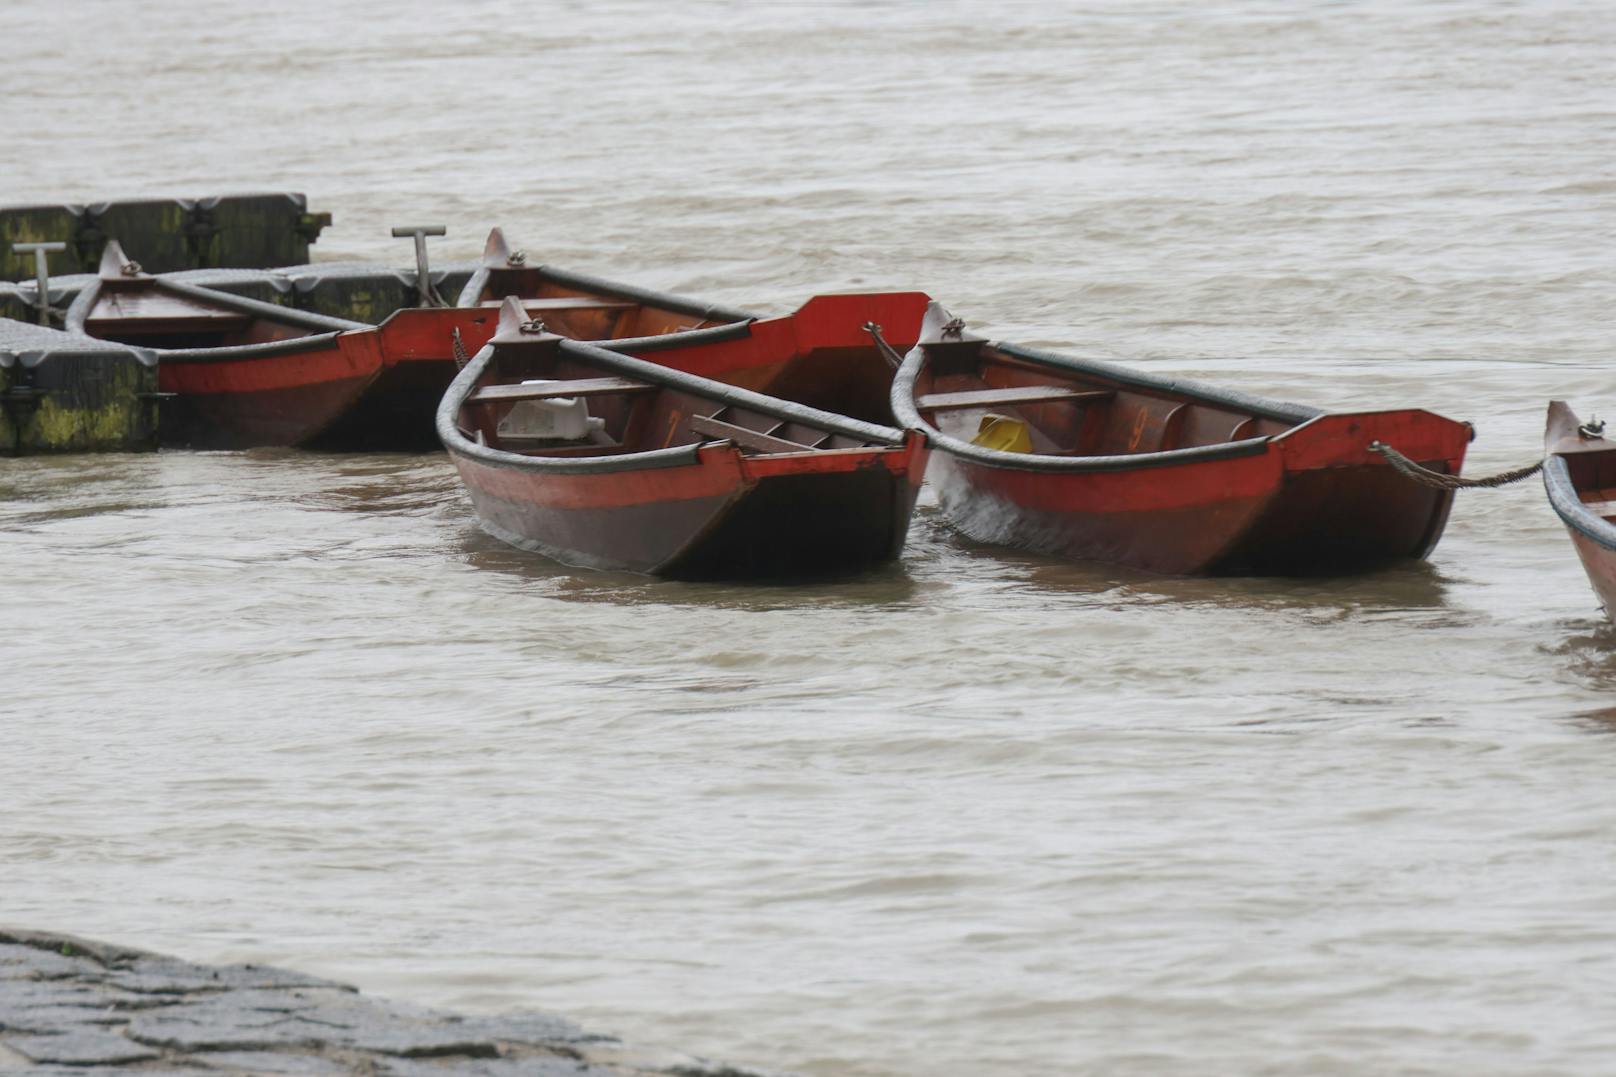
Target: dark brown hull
[[721, 516], [395, 412], [269, 417], [1244, 515], [1337, 520], [805, 524]]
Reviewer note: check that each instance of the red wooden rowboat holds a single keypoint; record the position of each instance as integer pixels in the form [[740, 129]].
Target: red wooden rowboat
[[245, 373], [600, 460], [1092, 461], [1579, 473], [242, 372]]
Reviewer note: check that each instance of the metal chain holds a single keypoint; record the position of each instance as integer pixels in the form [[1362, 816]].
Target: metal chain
[[1435, 479]]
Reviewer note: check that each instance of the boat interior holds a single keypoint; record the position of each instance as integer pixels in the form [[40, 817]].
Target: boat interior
[[856, 382], [143, 313], [981, 394], [1593, 476], [127, 306], [581, 315], [571, 310], [540, 402]]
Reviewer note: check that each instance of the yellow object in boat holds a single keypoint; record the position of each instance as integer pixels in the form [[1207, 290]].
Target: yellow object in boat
[[1003, 433]]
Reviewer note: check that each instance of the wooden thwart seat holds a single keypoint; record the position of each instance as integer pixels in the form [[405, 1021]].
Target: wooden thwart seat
[[1020, 394], [1245, 428], [554, 389], [1600, 508], [745, 438]]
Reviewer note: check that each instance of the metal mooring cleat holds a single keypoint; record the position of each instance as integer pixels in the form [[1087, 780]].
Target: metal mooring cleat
[[41, 272], [423, 278]]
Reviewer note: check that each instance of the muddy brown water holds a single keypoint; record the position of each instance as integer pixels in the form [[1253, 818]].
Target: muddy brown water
[[976, 813]]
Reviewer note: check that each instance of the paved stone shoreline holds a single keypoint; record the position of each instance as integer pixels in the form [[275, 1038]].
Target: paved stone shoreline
[[71, 1006]]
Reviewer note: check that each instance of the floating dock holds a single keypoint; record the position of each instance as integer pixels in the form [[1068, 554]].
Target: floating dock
[[65, 393], [167, 234]]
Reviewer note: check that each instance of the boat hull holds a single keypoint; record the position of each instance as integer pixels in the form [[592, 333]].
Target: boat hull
[[1179, 521], [724, 515], [371, 389], [416, 355], [394, 412], [1312, 502], [247, 400], [1599, 562]]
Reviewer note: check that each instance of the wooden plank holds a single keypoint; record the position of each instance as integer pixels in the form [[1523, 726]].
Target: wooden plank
[[554, 389], [1600, 508], [740, 435], [1021, 394]]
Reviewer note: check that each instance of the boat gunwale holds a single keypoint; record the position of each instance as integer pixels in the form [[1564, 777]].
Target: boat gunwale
[[457, 444], [684, 338], [262, 350], [1261, 407], [324, 326], [471, 294]]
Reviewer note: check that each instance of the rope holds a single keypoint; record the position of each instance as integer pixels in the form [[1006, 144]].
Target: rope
[[1436, 480], [460, 356]]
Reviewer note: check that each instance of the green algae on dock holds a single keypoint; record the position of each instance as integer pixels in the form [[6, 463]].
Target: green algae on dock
[[61, 393]]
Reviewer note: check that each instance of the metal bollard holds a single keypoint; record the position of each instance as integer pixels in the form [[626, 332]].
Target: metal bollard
[[423, 279], [41, 272]]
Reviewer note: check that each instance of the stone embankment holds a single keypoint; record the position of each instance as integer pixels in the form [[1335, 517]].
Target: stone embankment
[[73, 1007]]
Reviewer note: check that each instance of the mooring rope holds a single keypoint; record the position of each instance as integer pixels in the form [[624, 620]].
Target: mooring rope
[[459, 349], [1435, 479]]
